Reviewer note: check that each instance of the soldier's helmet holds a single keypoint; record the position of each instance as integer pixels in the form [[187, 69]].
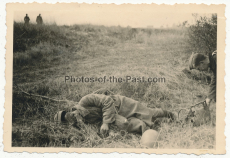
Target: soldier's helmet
[[149, 138], [59, 116]]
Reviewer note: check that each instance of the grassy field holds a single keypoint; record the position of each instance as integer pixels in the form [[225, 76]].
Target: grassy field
[[43, 56]]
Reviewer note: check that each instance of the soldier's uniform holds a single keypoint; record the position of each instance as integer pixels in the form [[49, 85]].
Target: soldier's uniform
[[26, 20], [212, 88], [98, 107], [195, 60], [39, 20]]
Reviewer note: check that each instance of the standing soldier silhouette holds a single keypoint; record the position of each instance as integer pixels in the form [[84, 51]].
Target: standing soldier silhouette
[[39, 20], [26, 19]]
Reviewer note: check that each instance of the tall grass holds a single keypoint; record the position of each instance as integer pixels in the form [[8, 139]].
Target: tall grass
[[31, 35]]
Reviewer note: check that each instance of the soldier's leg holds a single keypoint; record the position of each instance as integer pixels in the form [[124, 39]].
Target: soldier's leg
[[157, 112], [136, 126]]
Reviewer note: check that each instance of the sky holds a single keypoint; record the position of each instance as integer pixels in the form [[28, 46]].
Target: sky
[[123, 18]]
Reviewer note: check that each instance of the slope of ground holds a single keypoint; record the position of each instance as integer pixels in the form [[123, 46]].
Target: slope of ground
[[98, 51]]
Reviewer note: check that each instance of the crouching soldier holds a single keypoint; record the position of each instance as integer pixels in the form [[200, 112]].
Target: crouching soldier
[[202, 62], [95, 108]]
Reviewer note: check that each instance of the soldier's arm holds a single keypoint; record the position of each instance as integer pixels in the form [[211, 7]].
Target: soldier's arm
[[108, 110], [106, 104], [107, 107]]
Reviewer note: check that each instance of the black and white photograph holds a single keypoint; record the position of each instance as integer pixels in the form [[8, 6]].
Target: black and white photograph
[[135, 77]]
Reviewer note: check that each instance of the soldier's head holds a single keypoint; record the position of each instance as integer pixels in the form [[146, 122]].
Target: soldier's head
[[71, 117], [199, 62], [39, 14], [60, 116], [26, 14]]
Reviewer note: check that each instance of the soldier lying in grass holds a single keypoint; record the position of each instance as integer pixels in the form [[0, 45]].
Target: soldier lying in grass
[[94, 108], [203, 62]]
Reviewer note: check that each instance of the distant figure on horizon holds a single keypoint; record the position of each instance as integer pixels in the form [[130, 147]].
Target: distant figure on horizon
[[26, 19], [39, 20]]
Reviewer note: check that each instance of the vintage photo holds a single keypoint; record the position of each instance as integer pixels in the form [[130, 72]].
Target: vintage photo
[[126, 78]]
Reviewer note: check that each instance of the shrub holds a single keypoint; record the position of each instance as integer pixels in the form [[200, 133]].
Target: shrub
[[26, 37], [41, 54], [203, 34]]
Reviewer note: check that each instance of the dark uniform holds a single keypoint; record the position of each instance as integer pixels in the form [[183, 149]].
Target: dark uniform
[[39, 20], [26, 20], [212, 89]]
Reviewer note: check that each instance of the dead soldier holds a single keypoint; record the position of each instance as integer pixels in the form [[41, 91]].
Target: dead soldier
[[100, 107]]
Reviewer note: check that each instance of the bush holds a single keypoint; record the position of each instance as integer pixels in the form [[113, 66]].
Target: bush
[[38, 55], [28, 36], [203, 34]]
